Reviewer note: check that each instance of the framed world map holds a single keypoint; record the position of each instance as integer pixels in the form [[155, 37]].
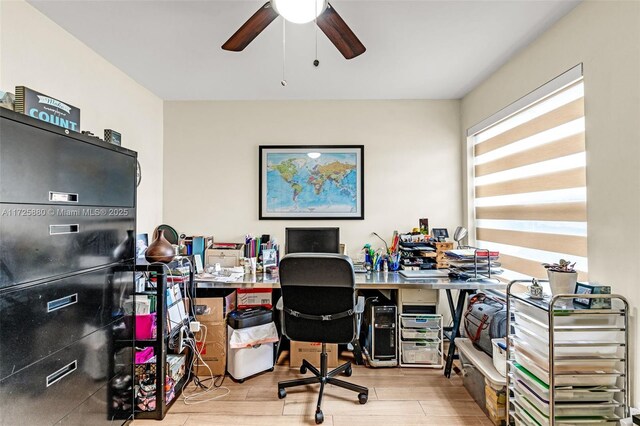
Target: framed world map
[[311, 182]]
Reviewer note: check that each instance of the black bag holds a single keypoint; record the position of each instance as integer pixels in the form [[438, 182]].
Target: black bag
[[485, 319]]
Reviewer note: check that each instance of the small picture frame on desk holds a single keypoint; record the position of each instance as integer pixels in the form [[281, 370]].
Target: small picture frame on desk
[[592, 303], [440, 234]]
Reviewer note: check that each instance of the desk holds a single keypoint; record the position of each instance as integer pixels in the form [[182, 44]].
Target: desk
[[384, 281]]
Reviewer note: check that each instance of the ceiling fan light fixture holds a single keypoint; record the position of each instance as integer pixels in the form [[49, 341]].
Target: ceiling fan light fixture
[[299, 11]]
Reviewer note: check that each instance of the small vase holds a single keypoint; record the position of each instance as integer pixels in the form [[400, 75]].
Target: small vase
[[160, 250], [562, 282]]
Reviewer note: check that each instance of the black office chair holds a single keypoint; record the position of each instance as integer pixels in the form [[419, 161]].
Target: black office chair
[[319, 305]]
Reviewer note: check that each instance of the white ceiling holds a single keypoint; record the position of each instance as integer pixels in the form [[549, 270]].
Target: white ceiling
[[419, 49]]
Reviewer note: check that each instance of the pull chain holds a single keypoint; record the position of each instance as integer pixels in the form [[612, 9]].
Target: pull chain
[[316, 62], [284, 52]]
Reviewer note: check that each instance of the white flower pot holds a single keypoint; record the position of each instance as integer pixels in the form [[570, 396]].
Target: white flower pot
[[562, 282]]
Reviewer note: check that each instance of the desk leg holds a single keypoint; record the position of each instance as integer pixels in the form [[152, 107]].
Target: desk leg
[[455, 330]]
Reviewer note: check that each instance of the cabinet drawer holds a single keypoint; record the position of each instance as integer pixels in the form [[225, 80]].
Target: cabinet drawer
[[418, 295], [110, 405], [41, 319], [40, 241], [41, 167], [45, 392]]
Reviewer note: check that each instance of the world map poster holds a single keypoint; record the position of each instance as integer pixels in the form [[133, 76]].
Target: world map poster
[[303, 182]]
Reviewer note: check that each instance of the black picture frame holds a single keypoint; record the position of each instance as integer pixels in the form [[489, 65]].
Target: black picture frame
[[583, 289], [291, 197], [440, 234]]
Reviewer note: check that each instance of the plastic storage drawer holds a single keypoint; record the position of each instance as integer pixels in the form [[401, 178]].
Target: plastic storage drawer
[[420, 334], [421, 352], [421, 322], [578, 394]]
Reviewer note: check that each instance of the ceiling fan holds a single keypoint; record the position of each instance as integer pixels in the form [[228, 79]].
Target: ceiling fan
[[324, 14]]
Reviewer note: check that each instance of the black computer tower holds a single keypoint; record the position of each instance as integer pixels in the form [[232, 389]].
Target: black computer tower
[[378, 336]]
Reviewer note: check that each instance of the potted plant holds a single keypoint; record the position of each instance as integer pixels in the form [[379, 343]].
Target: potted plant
[[562, 277]]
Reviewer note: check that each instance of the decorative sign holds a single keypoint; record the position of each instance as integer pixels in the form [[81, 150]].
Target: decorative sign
[[45, 108]]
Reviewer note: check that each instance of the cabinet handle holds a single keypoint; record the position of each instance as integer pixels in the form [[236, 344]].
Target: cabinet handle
[[56, 376], [64, 197], [63, 302], [63, 229]]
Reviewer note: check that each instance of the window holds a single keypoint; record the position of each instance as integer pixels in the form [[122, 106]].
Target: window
[[529, 180]]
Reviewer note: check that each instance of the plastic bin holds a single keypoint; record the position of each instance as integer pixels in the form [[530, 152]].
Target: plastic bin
[[561, 319], [421, 322], [568, 380], [529, 409], [578, 394], [542, 331], [541, 344], [565, 409], [420, 333], [421, 352], [146, 327], [580, 365], [499, 355]]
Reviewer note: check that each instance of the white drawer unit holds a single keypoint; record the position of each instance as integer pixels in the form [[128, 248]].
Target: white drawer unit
[[420, 341]]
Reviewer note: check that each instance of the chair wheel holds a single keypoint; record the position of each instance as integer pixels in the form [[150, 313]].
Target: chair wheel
[[319, 417], [348, 372], [303, 369], [281, 393], [362, 398]]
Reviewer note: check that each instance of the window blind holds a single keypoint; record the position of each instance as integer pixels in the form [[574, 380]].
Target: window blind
[[530, 198]]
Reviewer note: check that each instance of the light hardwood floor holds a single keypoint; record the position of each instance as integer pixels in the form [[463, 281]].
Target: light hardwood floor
[[397, 396]]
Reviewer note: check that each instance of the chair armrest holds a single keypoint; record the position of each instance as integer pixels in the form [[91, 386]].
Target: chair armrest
[[360, 305]]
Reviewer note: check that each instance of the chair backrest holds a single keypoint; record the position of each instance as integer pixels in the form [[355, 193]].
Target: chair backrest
[[317, 284]]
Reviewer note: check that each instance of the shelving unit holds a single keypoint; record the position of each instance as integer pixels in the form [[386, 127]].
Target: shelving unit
[[164, 335], [567, 364], [420, 341]]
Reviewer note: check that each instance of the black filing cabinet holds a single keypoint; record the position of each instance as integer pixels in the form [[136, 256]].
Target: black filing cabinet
[[67, 244]]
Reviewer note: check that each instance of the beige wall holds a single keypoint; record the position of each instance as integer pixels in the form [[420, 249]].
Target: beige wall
[[605, 36], [412, 156], [37, 53]]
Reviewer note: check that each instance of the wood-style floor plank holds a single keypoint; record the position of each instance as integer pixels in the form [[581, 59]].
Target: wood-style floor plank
[[409, 421], [397, 396], [240, 420]]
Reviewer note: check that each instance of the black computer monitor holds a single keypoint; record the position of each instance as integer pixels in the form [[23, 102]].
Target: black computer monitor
[[312, 240]]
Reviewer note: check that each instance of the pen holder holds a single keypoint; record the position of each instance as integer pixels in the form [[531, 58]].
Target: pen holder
[[394, 262]]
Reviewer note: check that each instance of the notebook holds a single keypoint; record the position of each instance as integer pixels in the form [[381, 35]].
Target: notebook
[[424, 273]]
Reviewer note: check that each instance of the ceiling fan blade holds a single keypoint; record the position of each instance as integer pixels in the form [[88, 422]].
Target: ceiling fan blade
[[250, 29], [339, 33]]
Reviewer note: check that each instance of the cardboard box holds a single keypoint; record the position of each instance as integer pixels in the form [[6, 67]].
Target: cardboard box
[[311, 352], [253, 297], [217, 308], [213, 349]]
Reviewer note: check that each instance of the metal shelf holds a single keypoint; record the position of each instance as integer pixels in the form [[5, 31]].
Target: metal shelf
[[553, 311]]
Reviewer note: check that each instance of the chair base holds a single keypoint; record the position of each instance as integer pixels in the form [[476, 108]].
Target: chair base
[[323, 377]]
